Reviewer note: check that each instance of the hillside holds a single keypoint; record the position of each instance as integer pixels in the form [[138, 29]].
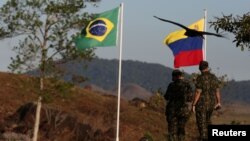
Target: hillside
[[74, 113], [128, 91], [237, 91], [66, 115], [152, 77], [104, 73]]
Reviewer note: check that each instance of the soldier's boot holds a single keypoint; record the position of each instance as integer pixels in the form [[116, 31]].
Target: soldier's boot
[[203, 139], [181, 138], [172, 137]]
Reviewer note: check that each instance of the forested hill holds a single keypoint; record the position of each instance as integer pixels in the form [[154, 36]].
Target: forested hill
[[104, 73], [237, 91]]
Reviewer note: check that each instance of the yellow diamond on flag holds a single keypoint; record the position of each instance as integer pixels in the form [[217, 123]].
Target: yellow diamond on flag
[[102, 31], [99, 28]]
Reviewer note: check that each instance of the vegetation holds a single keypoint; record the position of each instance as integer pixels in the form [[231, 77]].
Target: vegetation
[[157, 102], [237, 25], [104, 73], [96, 110], [154, 77], [91, 114], [45, 30]]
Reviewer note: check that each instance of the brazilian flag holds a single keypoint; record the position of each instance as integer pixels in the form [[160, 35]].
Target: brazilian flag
[[100, 32]]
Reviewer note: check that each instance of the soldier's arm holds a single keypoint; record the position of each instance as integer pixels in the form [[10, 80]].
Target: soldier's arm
[[196, 98], [168, 92], [218, 98], [217, 94]]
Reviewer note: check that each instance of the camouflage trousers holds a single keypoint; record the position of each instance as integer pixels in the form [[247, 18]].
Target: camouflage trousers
[[203, 119], [176, 126]]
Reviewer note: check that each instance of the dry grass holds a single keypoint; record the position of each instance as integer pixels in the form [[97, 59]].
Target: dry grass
[[99, 111]]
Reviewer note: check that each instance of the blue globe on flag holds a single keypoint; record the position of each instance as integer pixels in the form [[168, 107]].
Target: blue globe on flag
[[100, 31], [98, 28]]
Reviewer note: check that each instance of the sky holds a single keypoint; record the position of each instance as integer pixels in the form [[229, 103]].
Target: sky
[[143, 35]]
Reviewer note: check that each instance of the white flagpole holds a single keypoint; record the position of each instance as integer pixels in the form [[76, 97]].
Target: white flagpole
[[205, 36], [120, 72]]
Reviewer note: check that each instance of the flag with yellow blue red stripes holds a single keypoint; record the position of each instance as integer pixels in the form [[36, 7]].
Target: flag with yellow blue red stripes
[[187, 51]]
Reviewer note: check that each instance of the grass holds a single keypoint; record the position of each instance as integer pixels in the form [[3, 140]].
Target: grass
[[99, 110]]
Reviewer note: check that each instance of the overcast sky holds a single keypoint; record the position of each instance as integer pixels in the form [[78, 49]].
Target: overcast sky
[[143, 35]]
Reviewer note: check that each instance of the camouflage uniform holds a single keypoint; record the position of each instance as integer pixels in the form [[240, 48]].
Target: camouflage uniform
[[207, 83], [178, 94]]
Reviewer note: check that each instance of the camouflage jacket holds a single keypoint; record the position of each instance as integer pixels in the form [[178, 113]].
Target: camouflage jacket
[[207, 83], [178, 94]]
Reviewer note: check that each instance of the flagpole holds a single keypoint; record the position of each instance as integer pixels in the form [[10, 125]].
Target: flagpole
[[120, 72], [205, 36]]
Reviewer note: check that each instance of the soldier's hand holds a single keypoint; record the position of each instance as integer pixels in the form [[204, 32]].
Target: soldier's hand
[[217, 106], [193, 108]]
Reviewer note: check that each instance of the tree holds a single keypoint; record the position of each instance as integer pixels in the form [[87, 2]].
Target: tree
[[238, 25], [45, 30]]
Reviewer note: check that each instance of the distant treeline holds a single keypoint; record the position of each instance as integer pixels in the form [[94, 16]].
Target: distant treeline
[[151, 76]]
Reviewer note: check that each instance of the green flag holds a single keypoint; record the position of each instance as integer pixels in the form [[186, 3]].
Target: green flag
[[100, 32]]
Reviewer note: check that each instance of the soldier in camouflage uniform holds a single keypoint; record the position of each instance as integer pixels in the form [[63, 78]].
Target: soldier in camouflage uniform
[[206, 99], [178, 96]]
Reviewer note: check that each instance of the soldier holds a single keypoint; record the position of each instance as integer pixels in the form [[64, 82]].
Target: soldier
[[178, 96], [206, 99]]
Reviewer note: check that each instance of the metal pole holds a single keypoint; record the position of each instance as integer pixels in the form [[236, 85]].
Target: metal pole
[[205, 36], [120, 72]]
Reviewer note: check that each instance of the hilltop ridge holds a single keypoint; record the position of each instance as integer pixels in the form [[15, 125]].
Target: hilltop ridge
[[150, 76]]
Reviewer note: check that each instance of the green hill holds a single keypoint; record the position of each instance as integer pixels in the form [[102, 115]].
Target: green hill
[[152, 77], [103, 73]]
